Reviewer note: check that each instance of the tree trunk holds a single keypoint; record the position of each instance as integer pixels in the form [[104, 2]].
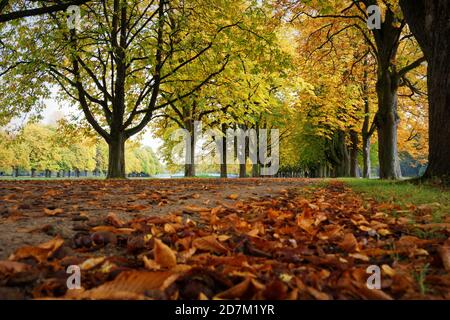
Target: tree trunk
[[33, 173], [243, 166], [429, 21], [116, 161], [189, 168], [387, 122], [366, 156], [255, 170], [242, 170], [367, 129], [223, 164], [354, 168]]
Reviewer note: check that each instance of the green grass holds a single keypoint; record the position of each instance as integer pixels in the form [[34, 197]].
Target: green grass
[[405, 193]]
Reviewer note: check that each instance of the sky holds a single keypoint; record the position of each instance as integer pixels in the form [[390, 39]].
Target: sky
[[56, 110]]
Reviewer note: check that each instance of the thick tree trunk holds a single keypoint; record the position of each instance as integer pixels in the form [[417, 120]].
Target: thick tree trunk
[[387, 123], [255, 170], [242, 170], [354, 167], [429, 21], [189, 166], [367, 129], [339, 156], [366, 156], [116, 161], [223, 164]]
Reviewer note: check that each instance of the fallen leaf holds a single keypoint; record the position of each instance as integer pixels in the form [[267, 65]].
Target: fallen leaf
[[41, 253], [130, 285], [13, 267], [349, 243], [164, 256], [444, 252], [92, 263], [233, 196], [53, 212], [209, 243], [114, 220]]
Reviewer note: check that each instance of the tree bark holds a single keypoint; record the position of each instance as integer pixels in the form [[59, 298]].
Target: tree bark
[[429, 21], [242, 170], [116, 159], [223, 164], [366, 156], [354, 167], [387, 123], [368, 128], [189, 166]]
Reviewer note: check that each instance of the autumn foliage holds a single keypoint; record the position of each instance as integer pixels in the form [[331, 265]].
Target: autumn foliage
[[299, 241]]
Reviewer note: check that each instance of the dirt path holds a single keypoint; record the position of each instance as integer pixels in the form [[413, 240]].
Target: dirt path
[[22, 209]]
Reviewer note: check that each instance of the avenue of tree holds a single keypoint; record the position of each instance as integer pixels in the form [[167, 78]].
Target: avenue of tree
[[345, 96]]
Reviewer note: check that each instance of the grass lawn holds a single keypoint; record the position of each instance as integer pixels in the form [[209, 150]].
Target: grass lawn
[[405, 194]]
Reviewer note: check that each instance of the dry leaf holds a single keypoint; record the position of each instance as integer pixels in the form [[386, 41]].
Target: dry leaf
[[164, 256], [41, 253], [114, 220], [53, 212], [130, 285], [92, 263], [349, 243], [444, 252], [209, 243]]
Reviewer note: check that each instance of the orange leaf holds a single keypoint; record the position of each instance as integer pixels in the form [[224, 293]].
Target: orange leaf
[[349, 243], [444, 252], [41, 253], [130, 285], [53, 212], [114, 220], [209, 243], [164, 256]]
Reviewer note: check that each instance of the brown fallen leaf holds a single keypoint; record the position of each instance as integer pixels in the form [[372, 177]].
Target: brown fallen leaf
[[10, 267], [92, 263], [150, 264], [209, 243], [113, 230], [129, 285], [306, 221], [114, 220], [349, 243], [164, 256], [169, 228], [444, 252], [41, 253], [195, 209], [53, 212], [233, 196], [244, 290]]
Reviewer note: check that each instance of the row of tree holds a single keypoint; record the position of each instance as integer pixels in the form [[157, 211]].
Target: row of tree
[[54, 151], [313, 69]]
